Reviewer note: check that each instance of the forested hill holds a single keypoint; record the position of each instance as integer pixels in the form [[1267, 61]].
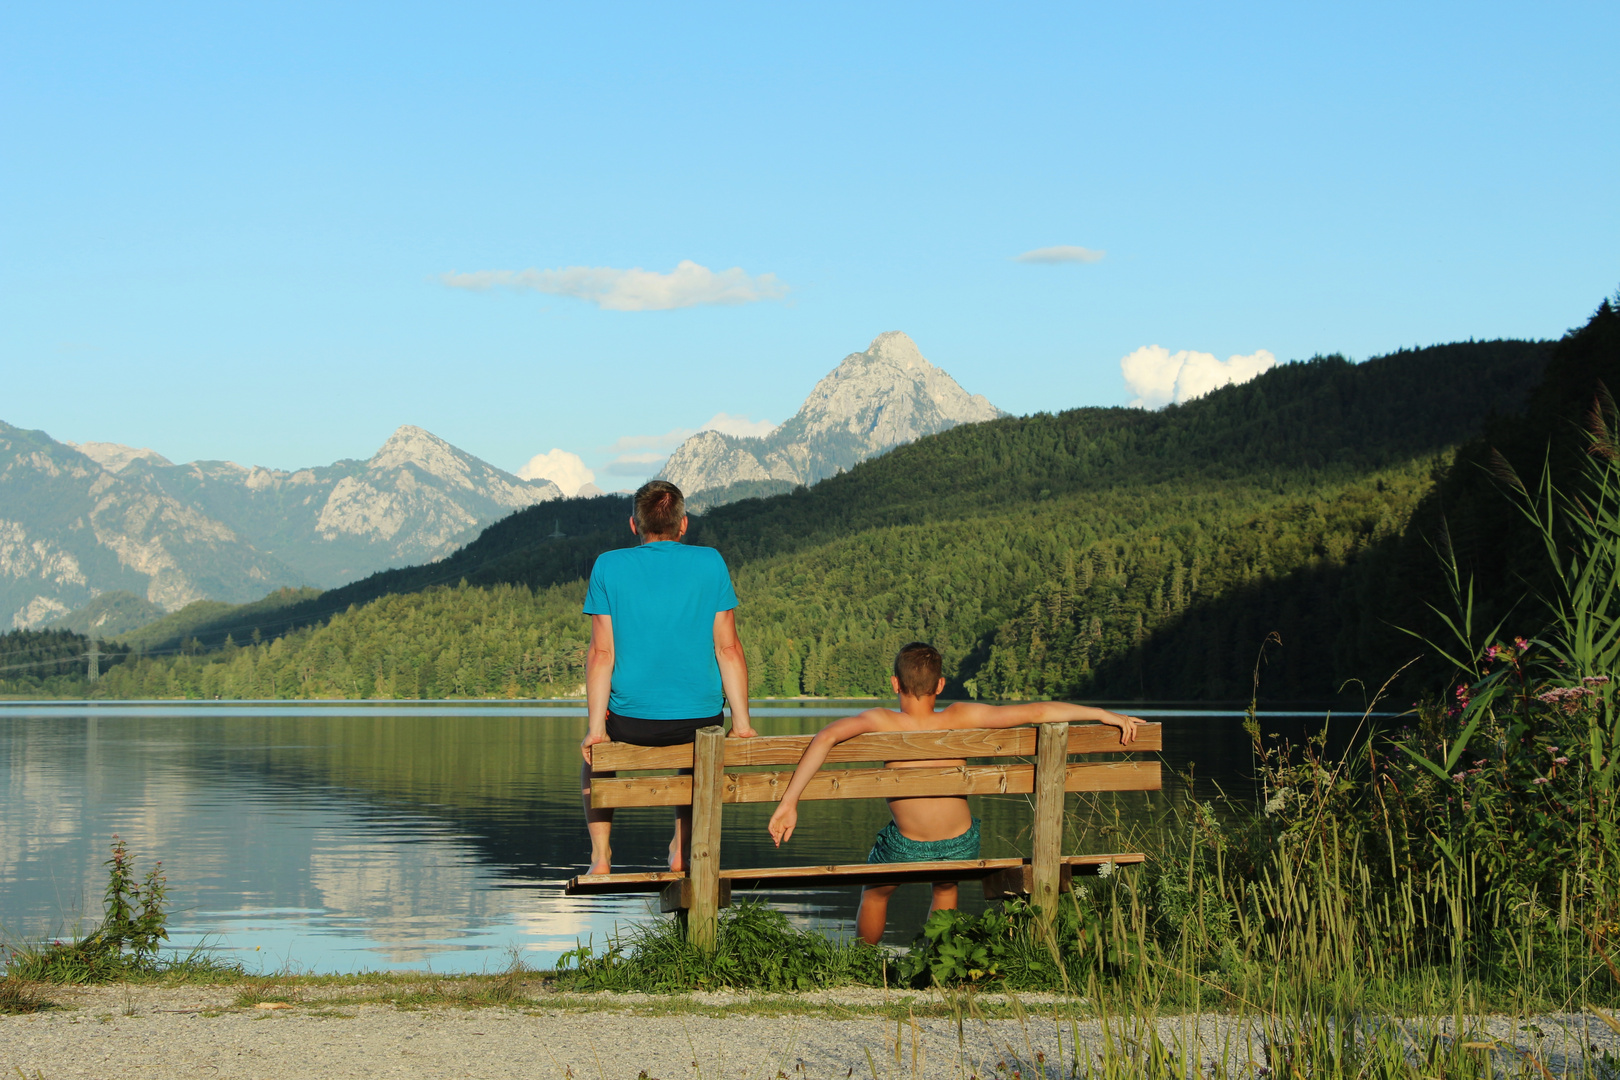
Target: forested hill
[[1289, 431]]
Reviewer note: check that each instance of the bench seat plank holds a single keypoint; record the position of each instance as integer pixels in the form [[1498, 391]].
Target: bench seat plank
[[848, 874], [879, 746], [879, 783]]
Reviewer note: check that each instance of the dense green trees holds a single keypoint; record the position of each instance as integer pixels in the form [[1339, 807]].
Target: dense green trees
[[51, 663], [440, 642]]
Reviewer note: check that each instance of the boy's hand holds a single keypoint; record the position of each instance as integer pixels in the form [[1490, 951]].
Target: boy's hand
[[1127, 727], [782, 822]]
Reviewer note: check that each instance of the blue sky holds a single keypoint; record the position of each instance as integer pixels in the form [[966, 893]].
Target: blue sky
[[228, 228]]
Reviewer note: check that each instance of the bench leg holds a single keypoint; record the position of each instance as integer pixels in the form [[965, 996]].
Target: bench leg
[[703, 861], [1020, 881], [1051, 761], [677, 896]]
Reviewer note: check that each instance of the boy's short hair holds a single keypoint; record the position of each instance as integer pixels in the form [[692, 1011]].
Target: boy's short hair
[[918, 668], [659, 509]]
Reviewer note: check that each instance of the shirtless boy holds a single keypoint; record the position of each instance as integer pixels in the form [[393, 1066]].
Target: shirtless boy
[[924, 829]]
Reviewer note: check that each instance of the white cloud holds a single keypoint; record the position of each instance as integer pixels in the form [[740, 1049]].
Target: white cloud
[[1064, 253], [1158, 376], [562, 468], [640, 459], [640, 465], [739, 425], [644, 455], [688, 285], [669, 440]]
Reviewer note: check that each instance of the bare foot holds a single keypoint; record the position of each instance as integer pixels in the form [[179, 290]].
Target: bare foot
[[677, 859], [601, 866]]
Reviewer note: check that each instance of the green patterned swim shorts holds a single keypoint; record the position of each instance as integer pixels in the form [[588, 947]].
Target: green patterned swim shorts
[[892, 846]]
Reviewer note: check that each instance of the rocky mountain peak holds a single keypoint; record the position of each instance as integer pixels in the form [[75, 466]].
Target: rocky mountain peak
[[870, 403], [896, 347], [114, 457], [411, 445]]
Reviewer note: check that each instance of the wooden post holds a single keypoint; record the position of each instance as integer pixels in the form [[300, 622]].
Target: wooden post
[[1051, 757], [703, 861]]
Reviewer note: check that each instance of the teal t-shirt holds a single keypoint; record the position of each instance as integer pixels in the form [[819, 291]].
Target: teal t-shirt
[[663, 598]]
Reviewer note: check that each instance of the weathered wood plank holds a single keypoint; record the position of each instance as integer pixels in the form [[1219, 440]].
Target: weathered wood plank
[[852, 874], [1046, 843], [788, 877], [879, 746], [600, 884], [703, 863], [879, 783]]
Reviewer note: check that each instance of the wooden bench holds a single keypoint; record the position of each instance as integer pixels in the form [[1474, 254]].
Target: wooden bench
[[706, 887]]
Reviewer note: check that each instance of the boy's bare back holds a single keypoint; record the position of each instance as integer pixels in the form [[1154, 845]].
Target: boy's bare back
[[923, 817]]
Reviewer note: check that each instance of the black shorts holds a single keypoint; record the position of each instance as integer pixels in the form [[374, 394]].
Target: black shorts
[[638, 732]]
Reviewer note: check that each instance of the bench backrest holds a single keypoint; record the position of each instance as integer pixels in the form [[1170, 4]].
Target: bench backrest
[[877, 781]]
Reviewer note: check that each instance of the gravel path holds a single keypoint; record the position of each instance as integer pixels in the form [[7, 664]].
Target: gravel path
[[114, 1032]]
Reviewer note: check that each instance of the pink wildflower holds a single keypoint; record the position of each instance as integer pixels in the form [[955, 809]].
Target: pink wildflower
[[1490, 653], [1560, 761], [1541, 780], [1459, 777], [1521, 644], [1595, 680], [1565, 698]]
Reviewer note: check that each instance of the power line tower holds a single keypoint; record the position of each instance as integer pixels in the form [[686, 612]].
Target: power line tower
[[94, 656], [557, 533]]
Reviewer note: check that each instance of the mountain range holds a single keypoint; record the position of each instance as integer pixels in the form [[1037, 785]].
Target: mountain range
[[80, 520], [870, 403]]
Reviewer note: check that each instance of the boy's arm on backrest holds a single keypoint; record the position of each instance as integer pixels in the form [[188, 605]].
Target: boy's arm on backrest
[[971, 714], [816, 753]]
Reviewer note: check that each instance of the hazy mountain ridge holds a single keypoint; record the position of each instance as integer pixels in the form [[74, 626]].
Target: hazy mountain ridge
[[79, 521], [416, 499], [870, 403], [71, 529]]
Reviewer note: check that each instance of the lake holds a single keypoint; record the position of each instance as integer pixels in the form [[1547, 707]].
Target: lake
[[346, 836]]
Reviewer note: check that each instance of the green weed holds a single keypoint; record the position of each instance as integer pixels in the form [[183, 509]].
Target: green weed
[[125, 945], [756, 949]]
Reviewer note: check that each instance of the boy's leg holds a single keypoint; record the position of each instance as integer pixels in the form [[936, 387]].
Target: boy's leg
[[599, 823], [944, 896], [874, 912]]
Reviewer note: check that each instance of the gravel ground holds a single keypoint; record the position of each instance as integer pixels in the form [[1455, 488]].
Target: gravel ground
[[115, 1032]]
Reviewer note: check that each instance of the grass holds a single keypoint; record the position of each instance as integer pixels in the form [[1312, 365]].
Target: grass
[[18, 996], [756, 949]]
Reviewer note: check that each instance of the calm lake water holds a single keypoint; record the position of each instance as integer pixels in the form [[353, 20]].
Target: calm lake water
[[334, 837]]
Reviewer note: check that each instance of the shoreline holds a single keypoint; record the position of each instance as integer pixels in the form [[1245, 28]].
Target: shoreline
[[269, 1030]]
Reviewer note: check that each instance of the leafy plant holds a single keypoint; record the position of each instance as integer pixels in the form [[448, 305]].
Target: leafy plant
[[126, 943], [756, 949]]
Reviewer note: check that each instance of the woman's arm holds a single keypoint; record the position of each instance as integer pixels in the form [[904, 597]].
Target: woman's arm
[[728, 653], [787, 812], [598, 683]]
